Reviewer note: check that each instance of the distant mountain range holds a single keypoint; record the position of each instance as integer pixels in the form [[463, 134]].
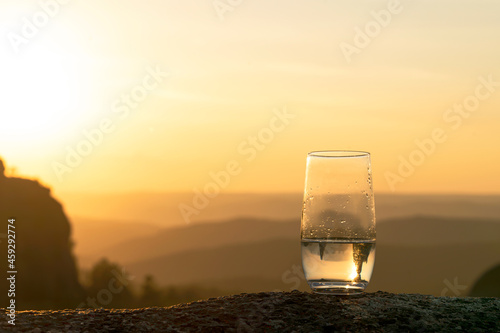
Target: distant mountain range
[[140, 242], [256, 266], [276, 264], [420, 254], [94, 237]]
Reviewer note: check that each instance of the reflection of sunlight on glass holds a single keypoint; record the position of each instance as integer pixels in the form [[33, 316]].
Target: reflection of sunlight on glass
[[354, 273], [39, 91]]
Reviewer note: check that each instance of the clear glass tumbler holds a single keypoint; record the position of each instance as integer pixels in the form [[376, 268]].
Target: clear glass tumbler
[[338, 222]]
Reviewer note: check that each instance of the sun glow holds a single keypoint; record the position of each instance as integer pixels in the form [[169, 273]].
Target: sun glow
[[40, 93]]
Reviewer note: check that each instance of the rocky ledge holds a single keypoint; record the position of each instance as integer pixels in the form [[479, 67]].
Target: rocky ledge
[[280, 312]]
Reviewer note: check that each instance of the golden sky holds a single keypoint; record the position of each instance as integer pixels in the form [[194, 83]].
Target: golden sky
[[156, 95]]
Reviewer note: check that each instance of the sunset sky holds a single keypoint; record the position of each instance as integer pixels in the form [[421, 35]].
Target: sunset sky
[[182, 88]]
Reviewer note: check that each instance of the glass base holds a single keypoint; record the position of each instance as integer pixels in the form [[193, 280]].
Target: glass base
[[326, 287]]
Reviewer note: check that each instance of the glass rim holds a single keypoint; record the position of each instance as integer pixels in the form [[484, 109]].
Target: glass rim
[[338, 153]]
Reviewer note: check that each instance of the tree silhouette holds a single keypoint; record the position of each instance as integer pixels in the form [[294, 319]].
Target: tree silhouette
[[151, 293], [109, 286]]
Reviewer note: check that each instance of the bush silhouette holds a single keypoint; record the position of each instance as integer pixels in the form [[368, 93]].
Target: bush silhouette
[[488, 285]]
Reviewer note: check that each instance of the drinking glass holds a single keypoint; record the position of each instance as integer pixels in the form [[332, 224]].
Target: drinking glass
[[338, 222]]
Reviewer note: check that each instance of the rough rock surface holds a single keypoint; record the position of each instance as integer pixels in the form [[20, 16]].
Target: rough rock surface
[[280, 312]]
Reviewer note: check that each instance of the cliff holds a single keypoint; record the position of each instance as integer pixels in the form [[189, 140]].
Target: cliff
[[46, 271], [281, 312]]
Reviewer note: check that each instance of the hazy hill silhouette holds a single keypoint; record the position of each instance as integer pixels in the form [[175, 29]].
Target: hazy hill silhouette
[[433, 230], [46, 271], [253, 267], [416, 254], [94, 237], [200, 236], [416, 230], [276, 264]]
